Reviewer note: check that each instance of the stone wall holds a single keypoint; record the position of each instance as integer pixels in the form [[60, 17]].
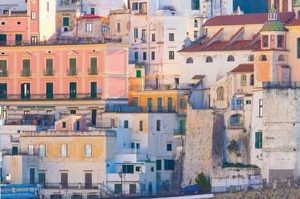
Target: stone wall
[[198, 146]]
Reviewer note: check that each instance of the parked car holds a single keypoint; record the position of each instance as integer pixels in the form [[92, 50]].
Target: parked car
[[190, 189]]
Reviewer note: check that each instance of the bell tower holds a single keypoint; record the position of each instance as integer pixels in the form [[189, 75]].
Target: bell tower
[[281, 5]]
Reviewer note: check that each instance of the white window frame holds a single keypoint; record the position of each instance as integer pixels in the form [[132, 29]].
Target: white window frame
[[30, 149], [64, 150], [88, 150], [42, 150], [88, 27]]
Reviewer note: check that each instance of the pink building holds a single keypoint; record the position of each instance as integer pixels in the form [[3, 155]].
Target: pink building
[[39, 79], [22, 23]]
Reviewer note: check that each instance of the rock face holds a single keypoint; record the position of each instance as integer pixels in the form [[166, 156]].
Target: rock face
[[198, 147]]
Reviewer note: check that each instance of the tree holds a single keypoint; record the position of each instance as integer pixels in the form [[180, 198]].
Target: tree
[[202, 181]]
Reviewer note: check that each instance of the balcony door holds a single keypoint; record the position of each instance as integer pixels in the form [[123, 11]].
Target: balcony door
[[93, 89], [49, 90], [88, 180], [3, 90], [73, 90], [25, 91]]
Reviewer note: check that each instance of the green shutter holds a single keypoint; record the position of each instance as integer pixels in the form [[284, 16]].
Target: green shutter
[[258, 140], [138, 73], [66, 21], [158, 165]]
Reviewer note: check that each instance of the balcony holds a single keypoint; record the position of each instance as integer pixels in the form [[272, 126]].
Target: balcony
[[70, 186], [179, 131], [49, 73], [138, 109], [3, 73], [93, 71], [78, 96], [72, 72], [21, 152], [162, 87], [25, 73]]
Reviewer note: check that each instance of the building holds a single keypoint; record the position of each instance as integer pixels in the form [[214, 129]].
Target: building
[[23, 23], [70, 79]]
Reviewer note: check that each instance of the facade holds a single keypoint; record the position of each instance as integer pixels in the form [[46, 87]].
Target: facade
[[61, 78], [24, 23]]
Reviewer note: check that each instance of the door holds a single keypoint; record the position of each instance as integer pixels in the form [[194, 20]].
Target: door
[[93, 89], [72, 90], [32, 176], [88, 180], [3, 91], [3, 39], [18, 39], [66, 21], [94, 117], [15, 150], [64, 180], [49, 90], [25, 91]]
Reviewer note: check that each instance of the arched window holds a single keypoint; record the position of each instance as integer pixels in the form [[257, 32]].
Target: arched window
[[209, 59], [189, 60], [251, 58], [252, 80], [281, 58], [220, 93], [263, 58], [230, 58], [243, 80]]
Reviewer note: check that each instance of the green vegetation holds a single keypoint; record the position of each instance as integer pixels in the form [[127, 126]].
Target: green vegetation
[[202, 181]]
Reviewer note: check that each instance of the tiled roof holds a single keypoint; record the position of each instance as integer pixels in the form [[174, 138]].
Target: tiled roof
[[223, 46], [243, 68], [295, 23], [260, 18]]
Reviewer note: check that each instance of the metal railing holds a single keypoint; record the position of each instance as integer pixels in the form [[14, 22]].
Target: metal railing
[[25, 73], [54, 96], [161, 87], [138, 109], [49, 72], [72, 72], [93, 71], [70, 185]]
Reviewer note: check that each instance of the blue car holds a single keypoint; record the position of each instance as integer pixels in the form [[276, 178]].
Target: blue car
[[190, 189]]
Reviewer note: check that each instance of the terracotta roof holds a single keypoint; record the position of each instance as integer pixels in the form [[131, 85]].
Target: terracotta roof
[[223, 46], [243, 68], [260, 18], [295, 23]]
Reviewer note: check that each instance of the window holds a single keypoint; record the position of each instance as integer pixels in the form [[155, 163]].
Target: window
[[171, 55], [3, 90], [252, 80], [104, 28], [33, 15], [170, 104], [135, 101], [32, 175], [49, 67], [141, 125], [195, 4], [138, 73], [209, 59], [3, 68], [64, 125], [158, 165], [127, 169], [265, 41], [132, 145], [153, 38], [171, 37], [230, 58], [298, 48], [196, 34], [118, 27], [144, 36], [64, 180], [88, 27], [88, 150], [66, 21], [248, 101], [136, 56], [92, 11], [118, 189], [258, 140], [158, 125], [263, 58], [72, 66], [149, 104], [144, 56], [25, 91], [260, 108], [251, 58], [73, 112], [159, 104], [135, 33], [169, 164], [126, 124], [93, 63], [42, 150], [48, 6], [135, 6], [169, 147], [30, 149], [280, 41], [189, 60], [42, 179], [26, 67], [281, 58], [236, 121], [64, 150], [243, 80], [153, 55], [220, 93]]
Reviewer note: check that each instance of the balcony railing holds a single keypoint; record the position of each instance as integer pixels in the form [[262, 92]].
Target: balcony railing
[[138, 109], [78, 96], [72, 72], [162, 87], [24, 152], [82, 185], [179, 131], [93, 71], [25, 73], [3, 73], [49, 73]]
